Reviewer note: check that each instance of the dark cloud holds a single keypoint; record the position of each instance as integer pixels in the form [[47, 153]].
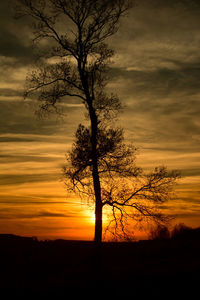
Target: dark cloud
[[5, 214], [17, 120], [14, 39], [6, 139], [42, 199], [11, 46], [29, 202], [192, 5], [190, 172], [161, 82], [191, 200], [10, 93], [168, 99], [6, 159], [12, 179], [19, 117]]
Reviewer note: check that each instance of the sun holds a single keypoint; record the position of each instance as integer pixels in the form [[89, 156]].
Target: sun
[[91, 217]]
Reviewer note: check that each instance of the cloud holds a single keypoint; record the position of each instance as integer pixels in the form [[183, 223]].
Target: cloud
[[15, 41], [162, 105], [11, 179], [33, 211], [158, 38], [11, 46], [18, 117], [42, 214]]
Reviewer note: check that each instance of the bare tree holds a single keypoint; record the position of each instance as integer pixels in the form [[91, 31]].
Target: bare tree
[[75, 32], [129, 192]]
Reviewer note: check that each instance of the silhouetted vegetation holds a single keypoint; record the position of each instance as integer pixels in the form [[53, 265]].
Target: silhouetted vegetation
[[151, 267], [179, 232], [75, 33], [161, 232], [183, 232]]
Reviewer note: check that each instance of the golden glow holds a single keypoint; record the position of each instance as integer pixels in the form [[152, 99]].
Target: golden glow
[[42, 207], [91, 217]]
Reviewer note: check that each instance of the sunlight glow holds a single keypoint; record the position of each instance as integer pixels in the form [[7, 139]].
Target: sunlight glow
[[90, 215]]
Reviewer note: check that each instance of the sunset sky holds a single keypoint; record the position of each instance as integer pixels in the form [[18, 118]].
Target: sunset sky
[[155, 72]]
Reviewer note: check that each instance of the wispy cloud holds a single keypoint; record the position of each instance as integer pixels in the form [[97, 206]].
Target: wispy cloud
[[6, 214]]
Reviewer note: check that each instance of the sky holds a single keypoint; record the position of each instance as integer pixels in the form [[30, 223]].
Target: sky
[[155, 72]]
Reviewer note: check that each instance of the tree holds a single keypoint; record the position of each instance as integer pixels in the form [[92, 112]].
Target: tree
[[129, 192], [75, 32]]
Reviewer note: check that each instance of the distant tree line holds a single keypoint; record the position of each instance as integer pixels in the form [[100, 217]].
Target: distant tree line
[[179, 232]]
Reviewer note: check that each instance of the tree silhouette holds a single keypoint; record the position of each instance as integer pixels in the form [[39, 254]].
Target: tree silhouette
[[101, 166], [129, 192]]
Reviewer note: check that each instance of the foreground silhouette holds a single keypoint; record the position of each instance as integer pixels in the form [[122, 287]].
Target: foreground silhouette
[[152, 267], [75, 33]]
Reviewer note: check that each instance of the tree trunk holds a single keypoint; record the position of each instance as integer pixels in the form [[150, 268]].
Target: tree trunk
[[96, 179], [98, 215], [95, 171]]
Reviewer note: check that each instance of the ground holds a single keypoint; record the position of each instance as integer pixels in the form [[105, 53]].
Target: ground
[[144, 268]]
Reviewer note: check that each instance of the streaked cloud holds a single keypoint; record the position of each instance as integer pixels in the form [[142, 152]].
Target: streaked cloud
[[5, 214]]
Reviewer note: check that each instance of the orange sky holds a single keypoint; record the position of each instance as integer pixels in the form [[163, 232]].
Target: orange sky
[[33, 204], [156, 75]]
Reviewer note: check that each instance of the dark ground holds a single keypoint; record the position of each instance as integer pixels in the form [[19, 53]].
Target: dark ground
[[159, 268]]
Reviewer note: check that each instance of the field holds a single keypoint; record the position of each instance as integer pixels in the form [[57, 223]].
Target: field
[[158, 267]]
